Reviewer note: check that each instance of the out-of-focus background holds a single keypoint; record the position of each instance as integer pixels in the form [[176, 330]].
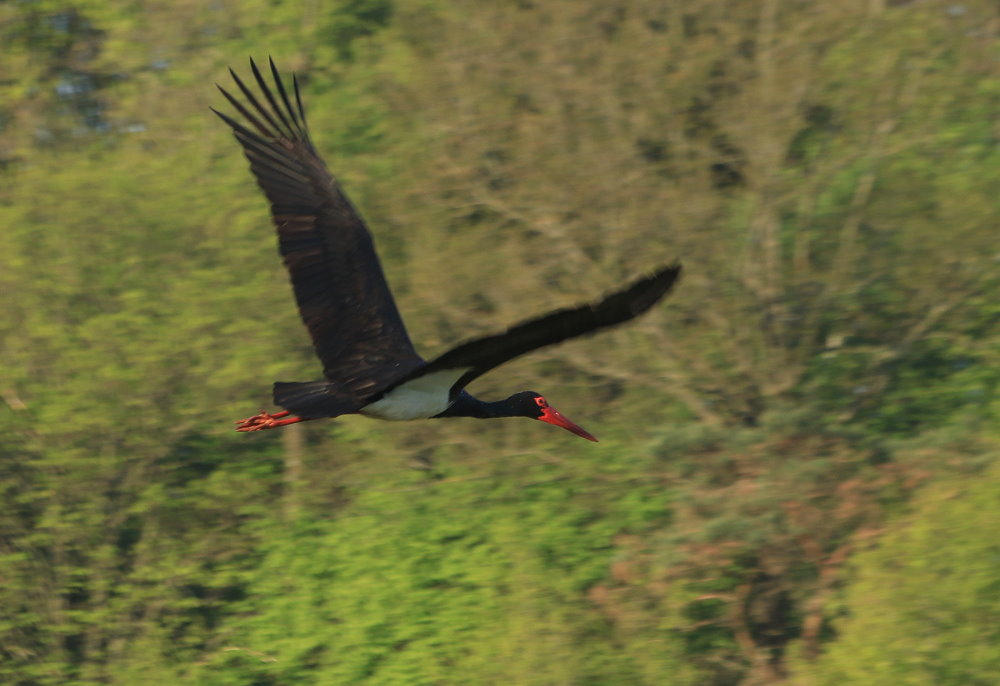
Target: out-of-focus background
[[797, 478]]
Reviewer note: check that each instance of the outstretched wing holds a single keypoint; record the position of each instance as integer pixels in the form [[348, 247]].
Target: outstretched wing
[[339, 286], [474, 358]]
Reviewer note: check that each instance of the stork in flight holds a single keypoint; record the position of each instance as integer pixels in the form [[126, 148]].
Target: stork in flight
[[370, 366]]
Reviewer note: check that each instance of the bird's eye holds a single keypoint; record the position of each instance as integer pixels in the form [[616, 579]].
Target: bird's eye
[[540, 401]]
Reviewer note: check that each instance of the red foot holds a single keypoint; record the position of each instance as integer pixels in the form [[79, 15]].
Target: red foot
[[266, 421]]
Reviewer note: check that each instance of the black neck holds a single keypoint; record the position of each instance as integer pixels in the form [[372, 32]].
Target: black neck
[[466, 405]]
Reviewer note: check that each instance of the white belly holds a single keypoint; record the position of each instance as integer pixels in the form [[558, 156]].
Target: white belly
[[421, 398]]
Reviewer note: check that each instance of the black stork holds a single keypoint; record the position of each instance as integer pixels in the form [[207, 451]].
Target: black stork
[[369, 364]]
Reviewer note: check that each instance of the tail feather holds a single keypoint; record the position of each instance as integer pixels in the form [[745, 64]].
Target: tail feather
[[315, 399]]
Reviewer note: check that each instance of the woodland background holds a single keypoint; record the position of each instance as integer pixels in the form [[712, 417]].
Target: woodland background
[[797, 480]]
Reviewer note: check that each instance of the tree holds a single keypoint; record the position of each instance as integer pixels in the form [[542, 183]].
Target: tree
[[922, 605]]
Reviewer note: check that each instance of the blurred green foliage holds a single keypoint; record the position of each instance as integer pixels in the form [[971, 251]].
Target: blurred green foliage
[[922, 606], [824, 380]]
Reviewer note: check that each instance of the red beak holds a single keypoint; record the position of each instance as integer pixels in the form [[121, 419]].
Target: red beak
[[550, 415]]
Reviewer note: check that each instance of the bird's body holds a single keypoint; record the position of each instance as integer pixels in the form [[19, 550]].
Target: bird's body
[[370, 366], [422, 398]]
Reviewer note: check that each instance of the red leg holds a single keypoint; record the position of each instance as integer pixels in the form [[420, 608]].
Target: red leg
[[285, 422], [264, 420]]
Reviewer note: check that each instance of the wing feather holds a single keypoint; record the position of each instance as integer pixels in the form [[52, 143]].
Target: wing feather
[[483, 354], [341, 291]]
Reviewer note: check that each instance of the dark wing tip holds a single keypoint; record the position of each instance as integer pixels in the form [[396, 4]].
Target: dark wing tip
[[647, 291], [672, 270]]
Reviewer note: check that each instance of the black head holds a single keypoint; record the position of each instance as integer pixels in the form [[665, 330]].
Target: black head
[[534, 405]]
